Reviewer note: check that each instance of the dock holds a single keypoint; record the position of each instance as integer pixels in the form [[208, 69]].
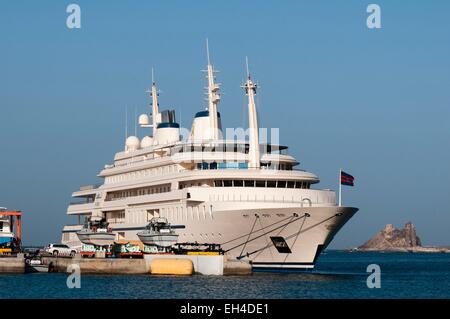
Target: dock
[[168, 264], [12, 264]]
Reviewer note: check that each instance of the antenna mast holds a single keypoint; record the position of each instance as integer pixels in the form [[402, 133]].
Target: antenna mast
[[135, 121], [213, 98], [126, 124], [253, 152], [155, 106]]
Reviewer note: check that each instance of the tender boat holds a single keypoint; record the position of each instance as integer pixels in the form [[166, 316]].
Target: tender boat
[[96, 233], [159, 233], [35, 265]]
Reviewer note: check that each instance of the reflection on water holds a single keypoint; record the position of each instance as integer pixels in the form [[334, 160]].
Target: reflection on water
[[337, 275]]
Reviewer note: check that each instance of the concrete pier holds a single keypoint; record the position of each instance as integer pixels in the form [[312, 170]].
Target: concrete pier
[[12, 264], [202, 264], [98, 265], [236, 268]]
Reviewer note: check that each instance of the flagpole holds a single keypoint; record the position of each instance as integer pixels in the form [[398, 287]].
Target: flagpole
[[340, 187]]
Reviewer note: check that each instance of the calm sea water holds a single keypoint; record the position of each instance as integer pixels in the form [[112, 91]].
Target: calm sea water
[[337, 275]]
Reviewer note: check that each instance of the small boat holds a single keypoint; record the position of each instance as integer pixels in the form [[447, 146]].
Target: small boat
[[159, 233], [35, 265], [33, 261], [96, 233]]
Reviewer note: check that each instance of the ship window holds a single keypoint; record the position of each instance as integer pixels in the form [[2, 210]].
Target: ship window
[[218, 183], [281, 184], [249, 183], [271, 184], [197, 148], [298, 184], [290, 184], [227, 183], [238, 183], [260, 183], [213, 165]]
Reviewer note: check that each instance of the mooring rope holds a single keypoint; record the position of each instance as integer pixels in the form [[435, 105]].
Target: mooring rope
[[259, 236], [249, 234], [296, 237], [242, 236], [281, 230], [267, 242], [295, 234]]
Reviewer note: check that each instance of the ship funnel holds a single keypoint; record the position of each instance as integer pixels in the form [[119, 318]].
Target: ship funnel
[[200, 131], [168, 131]]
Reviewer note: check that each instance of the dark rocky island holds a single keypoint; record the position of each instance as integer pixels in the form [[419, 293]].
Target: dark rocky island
[[399, 240]]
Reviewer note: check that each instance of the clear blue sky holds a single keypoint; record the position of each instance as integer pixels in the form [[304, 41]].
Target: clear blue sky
[[375, 102]]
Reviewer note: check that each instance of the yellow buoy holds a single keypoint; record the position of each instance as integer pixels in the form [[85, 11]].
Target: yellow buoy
[[171, 266]]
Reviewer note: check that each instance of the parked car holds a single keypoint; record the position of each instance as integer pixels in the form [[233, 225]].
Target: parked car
[[60, 250]]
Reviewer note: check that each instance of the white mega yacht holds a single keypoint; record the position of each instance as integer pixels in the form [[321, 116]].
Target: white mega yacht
[[238, 192]]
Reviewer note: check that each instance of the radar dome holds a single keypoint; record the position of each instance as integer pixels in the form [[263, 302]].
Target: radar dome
[[143, 119], [132, 143], [147, 141]]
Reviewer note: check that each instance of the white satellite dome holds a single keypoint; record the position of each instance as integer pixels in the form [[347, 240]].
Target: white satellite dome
[[143, 119], [132, 143], [147, 141]]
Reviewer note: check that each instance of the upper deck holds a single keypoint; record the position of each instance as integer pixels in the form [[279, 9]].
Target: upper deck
[[224, 154]]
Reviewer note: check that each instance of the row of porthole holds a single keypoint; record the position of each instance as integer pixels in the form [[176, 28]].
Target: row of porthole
[[204, 235], [265, 215], [142, 173]]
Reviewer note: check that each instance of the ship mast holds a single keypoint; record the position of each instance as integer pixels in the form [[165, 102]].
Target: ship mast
[[253, 152], [213, 99], [155, 105]]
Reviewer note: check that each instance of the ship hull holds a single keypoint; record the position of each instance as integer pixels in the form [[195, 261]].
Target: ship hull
[[253, 234], [158, 240], [6, 238], [248, 233], [97, 239]]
